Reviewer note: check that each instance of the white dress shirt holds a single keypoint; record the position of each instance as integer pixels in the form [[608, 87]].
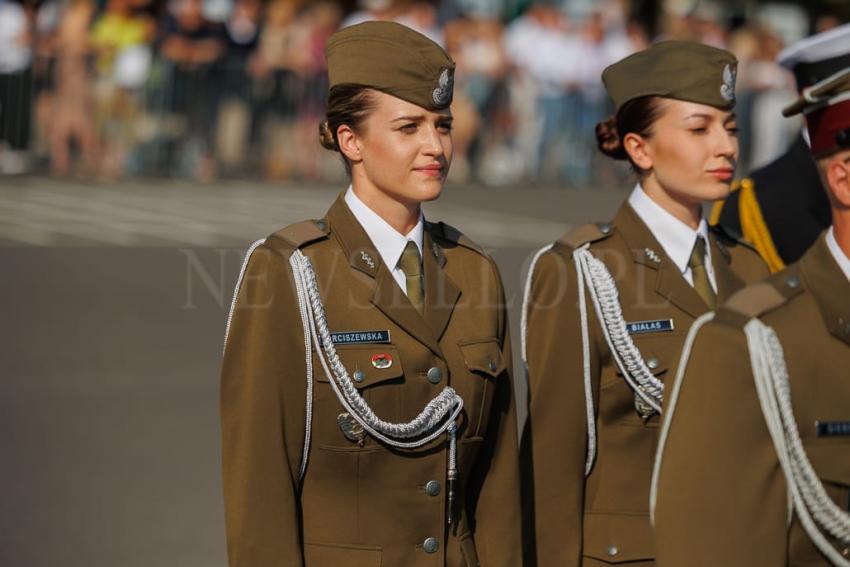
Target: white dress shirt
[[388, 241], [837, 253], [677, 238]]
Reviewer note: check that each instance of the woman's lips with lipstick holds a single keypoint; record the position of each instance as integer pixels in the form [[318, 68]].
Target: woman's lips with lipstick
[[722, 174], [432, 170]]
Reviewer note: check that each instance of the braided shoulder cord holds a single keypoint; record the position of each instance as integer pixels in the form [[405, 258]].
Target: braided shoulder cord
[[439, 415], [810, 500], [672, 402], [588, 392], [606, 302], [236, 289]]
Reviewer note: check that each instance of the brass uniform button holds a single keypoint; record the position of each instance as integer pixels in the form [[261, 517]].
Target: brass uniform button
[[612, 550]]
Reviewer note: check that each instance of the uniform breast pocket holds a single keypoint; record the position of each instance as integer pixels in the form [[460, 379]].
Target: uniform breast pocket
[[484, 364], [377, 372]]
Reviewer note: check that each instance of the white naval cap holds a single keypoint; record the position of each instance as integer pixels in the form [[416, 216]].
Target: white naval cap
[[816, 57]]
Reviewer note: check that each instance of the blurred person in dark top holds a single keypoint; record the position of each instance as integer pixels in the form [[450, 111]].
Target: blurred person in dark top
[[282, 53], [15, 86], [235, 133], [373, 10], [190, 47]]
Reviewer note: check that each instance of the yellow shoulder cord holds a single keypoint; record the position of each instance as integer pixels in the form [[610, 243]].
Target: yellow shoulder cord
[[754, 228]]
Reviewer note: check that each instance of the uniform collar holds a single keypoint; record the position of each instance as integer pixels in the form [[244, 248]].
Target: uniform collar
[[830, 286], [388, 242], [677, 238], [837, 253]]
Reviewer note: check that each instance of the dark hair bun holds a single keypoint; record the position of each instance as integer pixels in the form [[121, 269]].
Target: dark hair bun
[[608, 139], [326, 138]]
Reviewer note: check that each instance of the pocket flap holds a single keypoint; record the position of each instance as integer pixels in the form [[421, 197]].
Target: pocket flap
[[483, 356], [618, 538], [367, 364], [831, 461]]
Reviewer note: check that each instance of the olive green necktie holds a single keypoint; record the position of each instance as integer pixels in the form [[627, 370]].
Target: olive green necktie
[[411, 264], [702, 285]]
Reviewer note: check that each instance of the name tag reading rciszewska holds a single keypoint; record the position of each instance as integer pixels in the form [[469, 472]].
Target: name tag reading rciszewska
[[656, 326], [360, 337]]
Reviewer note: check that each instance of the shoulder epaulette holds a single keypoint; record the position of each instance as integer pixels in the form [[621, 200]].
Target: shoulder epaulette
[[588, 233], [452, 235], [301, 233], [757, 299]]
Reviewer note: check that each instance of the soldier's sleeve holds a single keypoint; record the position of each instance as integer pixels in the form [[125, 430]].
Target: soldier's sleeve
[[554, 443], [263, 388], [721, 495], [494, 502]]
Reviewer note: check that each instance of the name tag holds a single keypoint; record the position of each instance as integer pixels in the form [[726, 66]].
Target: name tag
[[360, 337], [657, 326], [833, 428]]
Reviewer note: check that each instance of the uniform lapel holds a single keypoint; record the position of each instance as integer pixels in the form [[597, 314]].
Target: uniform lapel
[[669, 282], [441, 294], [386, 294], [727, 280], [830, 288]]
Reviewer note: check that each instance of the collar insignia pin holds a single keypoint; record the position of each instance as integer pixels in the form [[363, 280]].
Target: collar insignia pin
[[368, 259], [652, 255]]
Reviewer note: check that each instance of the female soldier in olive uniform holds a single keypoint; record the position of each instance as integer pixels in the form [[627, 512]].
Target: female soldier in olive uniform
[[367, 407], [608, 306]]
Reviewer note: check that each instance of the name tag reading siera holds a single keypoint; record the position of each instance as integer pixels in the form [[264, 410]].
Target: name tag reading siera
[[657, 326], [360, 337], [832, 428]]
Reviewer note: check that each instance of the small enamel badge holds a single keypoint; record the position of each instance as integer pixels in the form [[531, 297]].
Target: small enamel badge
[[352, 430], [382, 360]]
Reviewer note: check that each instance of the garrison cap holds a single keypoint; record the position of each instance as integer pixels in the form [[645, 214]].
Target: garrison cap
[[681, 70], [826, 106], [817, 57], [393, 59]]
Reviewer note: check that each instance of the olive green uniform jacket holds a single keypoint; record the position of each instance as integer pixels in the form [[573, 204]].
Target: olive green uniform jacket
[[603, 519], [365, 504], [722, 497]]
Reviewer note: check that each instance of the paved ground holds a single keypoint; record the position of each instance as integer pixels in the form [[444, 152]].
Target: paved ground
[[115, 298]]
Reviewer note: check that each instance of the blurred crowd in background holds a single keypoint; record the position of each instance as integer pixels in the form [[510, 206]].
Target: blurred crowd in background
[[209, 89]]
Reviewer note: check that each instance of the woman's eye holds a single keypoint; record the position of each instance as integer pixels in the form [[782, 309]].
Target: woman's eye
[[408, 128], [699, 130], [732, 130], [445, 127]]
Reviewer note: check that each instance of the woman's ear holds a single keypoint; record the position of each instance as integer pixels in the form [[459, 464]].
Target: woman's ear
[[636, 146], [349, 143]]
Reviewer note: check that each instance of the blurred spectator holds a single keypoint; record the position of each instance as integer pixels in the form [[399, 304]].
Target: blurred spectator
[[72, 124], [372, 10], [120, 38], [190, 47], [199, 88], [235, 129], [15, 86]]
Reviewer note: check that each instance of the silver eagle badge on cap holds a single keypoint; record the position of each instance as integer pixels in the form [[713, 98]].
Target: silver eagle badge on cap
[[727, 89], [443, 93]]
